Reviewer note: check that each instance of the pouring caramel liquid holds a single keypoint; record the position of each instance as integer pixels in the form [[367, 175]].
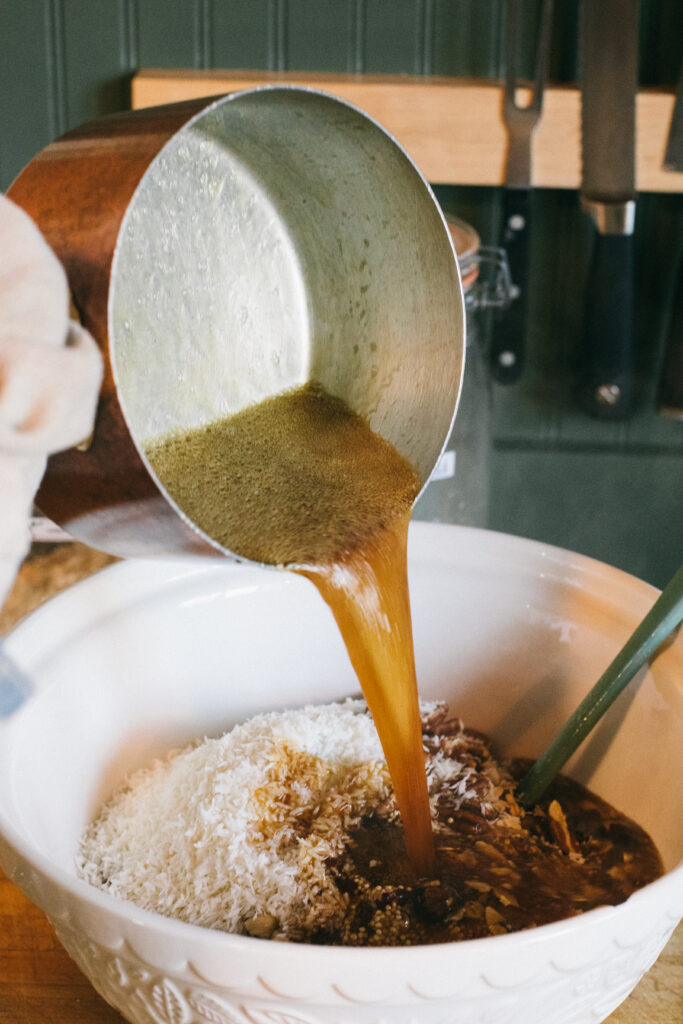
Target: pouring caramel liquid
[[301, 481]]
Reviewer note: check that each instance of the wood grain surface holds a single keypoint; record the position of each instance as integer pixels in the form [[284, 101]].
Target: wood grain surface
[[39, 984], [452, 127]]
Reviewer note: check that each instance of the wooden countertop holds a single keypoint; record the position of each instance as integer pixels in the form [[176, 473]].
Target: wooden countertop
[[39, 984]]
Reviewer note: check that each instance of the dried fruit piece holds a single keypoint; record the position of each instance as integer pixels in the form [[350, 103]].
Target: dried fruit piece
[[435, 902]]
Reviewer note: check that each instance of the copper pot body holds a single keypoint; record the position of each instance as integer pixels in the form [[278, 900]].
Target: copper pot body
[[223, 250]]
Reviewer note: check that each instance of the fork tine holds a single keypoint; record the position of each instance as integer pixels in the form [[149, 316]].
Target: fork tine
[[513, 46], [543, 49]]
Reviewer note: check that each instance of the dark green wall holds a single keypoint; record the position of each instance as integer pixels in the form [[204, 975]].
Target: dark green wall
[[609, 490]]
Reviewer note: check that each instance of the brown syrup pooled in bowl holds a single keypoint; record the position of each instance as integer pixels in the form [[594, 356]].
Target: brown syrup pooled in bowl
[[300, 480], [499, 868]]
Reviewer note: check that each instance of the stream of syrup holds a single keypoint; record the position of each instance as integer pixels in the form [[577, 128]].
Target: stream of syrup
[[301, 481]]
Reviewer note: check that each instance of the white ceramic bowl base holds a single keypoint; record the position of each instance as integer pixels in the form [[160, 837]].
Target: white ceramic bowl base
[[145, 656]]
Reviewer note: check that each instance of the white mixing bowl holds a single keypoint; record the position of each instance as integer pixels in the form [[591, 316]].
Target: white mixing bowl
[[145, 656]]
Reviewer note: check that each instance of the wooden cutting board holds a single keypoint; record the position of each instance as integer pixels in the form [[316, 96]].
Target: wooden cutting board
[[39, 984]]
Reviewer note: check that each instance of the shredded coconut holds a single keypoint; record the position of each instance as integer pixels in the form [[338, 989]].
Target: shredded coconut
[[238, 830]]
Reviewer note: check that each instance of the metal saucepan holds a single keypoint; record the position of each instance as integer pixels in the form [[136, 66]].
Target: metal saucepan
[[225, 250]]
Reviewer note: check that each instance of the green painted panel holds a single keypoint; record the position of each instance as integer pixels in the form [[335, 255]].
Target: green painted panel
[[242, 34], [623, 509], [27, 115], [169, 33], [563, 54], [392, 40], [320, 36], [661, 41], [465, 38], [96, 56]]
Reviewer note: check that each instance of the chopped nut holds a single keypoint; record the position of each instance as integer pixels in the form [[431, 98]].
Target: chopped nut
[[555, 811], [262, 926], [512, 823]]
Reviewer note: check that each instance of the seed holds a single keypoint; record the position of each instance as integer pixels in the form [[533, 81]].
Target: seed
[[506, 898], [478, 886], [493, 917], [490, 851], [505, 873]]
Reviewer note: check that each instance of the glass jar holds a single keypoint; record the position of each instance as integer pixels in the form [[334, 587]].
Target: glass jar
[[458, 489]]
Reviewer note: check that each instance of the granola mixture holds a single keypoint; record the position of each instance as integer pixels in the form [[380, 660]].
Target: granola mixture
[[286, 828], [500, 868]]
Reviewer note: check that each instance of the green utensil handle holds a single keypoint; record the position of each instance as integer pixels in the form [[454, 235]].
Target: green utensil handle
[[660, 621]]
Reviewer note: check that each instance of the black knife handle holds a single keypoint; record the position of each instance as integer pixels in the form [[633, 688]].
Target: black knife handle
[[670, 393], [507, 337], [606, 382]]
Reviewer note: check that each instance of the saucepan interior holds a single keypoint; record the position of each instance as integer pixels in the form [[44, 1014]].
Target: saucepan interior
[[282, 236]]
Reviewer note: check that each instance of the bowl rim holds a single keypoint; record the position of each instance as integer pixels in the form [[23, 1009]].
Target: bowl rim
[[147, 577], [569, 567]]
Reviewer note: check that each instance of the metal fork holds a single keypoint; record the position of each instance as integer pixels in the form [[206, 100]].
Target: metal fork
[[521, 120]]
